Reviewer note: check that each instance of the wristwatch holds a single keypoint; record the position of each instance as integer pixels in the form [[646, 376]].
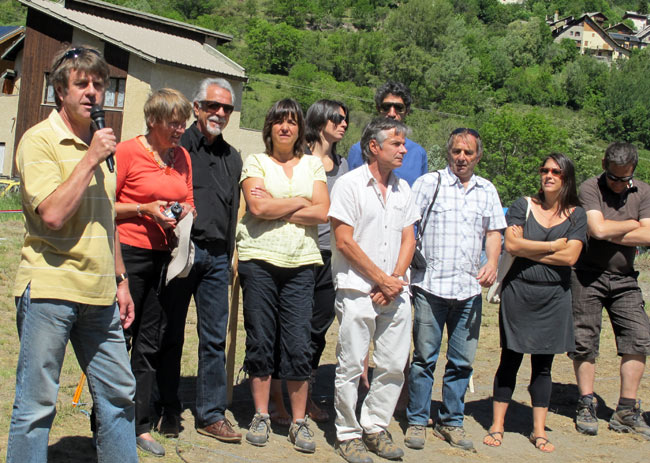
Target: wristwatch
[[121, 277]]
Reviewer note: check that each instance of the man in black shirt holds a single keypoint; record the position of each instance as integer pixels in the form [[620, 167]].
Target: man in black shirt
[[216, 168]]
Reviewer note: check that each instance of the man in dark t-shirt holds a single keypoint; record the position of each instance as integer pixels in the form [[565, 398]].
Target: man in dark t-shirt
[[618, 216], [216, 167]]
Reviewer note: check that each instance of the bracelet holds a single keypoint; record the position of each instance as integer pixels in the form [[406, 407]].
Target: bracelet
[[137, 210]]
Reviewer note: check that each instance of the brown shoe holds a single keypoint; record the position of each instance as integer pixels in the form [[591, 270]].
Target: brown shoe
[[221, 430]]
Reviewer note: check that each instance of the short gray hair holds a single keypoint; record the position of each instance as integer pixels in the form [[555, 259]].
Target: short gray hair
[[377, 130], [621, 154], [202, 92], [463, 133]]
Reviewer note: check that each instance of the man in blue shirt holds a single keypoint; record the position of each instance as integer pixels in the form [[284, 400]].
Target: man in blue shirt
[[393, 99]]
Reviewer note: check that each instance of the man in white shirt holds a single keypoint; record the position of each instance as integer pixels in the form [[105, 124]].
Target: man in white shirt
[[372, 214]]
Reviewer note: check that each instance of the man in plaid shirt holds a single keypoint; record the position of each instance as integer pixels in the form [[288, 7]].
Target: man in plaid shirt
[[448, 291]]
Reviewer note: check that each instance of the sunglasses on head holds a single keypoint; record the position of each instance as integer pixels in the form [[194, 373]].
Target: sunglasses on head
[[553, 171], [214, 106], [337, 118], [400, 108], [615, 178], [74, 53], [460, 130]]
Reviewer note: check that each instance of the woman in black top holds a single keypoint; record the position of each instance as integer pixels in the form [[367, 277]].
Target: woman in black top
[[546, 234]]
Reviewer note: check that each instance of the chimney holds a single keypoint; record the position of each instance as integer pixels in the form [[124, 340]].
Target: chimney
[[556, 18]]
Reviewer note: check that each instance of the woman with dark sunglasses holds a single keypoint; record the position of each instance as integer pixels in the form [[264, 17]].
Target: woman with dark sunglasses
[[546, 234]]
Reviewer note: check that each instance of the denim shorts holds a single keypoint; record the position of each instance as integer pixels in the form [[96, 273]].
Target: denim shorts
[[623, 300], [277, 304]]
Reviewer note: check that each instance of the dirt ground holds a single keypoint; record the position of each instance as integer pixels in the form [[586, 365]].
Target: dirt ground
[[70, 435]]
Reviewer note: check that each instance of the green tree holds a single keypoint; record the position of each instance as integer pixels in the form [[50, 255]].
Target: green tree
[[271, 47], [422, 23], [642, 7], [291, 12], [12, 13], [585, 82], [192, 9], [514, 147], [625, 104]]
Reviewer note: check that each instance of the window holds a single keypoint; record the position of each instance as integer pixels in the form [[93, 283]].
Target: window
[[7, 79], [113, 98], [577, 33], [571, 33]]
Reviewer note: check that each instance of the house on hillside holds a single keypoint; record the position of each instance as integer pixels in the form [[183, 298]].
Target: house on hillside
[[598, 17], [556, 22], [620, 28], [590, 38], [644, 35], [145, 52], [627, 41], [640, 20]]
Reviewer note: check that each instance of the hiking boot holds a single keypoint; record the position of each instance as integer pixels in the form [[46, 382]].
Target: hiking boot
[[169, 425], [302, 437], [415, 437], [382, 444], [455, 435], [630, 420], [586, 421], [259, 430], [353, 451]]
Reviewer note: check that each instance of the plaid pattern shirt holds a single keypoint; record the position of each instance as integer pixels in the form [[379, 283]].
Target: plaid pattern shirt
[[453, 237]]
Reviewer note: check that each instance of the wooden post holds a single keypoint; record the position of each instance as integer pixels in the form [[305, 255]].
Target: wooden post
[[233, 315]]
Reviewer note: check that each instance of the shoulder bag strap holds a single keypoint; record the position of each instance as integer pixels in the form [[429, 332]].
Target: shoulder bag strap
[[423, 223]]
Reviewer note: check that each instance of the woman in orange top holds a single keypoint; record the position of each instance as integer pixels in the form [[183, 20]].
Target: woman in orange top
[[153, 172]]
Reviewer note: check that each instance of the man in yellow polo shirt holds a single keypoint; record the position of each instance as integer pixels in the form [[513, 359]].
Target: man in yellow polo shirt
[[71, 269]]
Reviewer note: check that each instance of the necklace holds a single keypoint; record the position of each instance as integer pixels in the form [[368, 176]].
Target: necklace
[[166, 168]]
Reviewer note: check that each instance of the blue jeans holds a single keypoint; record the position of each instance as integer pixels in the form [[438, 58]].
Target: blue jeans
[[208, 282], [463, 320], [44, 328]]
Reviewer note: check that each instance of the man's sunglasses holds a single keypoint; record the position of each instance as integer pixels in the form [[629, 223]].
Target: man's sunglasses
[[214, 106], [547, 170], [400, 108], [460, 130], [615, 178], [337, 118], [74, 53]]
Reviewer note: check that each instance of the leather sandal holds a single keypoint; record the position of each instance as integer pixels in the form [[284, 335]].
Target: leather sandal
[[496, 442], [541, 446]]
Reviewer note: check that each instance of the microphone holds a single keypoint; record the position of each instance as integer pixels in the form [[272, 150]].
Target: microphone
[[97, 116]]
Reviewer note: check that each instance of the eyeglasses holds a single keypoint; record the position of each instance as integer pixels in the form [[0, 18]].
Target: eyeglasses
[[176, 125], [615, 178], [214, 106], [337, 118], [400, 108], [74, 53], [553, 171], [460, 130]]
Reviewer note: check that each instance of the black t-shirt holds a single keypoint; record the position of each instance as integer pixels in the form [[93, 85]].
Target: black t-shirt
[[633, 203]]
